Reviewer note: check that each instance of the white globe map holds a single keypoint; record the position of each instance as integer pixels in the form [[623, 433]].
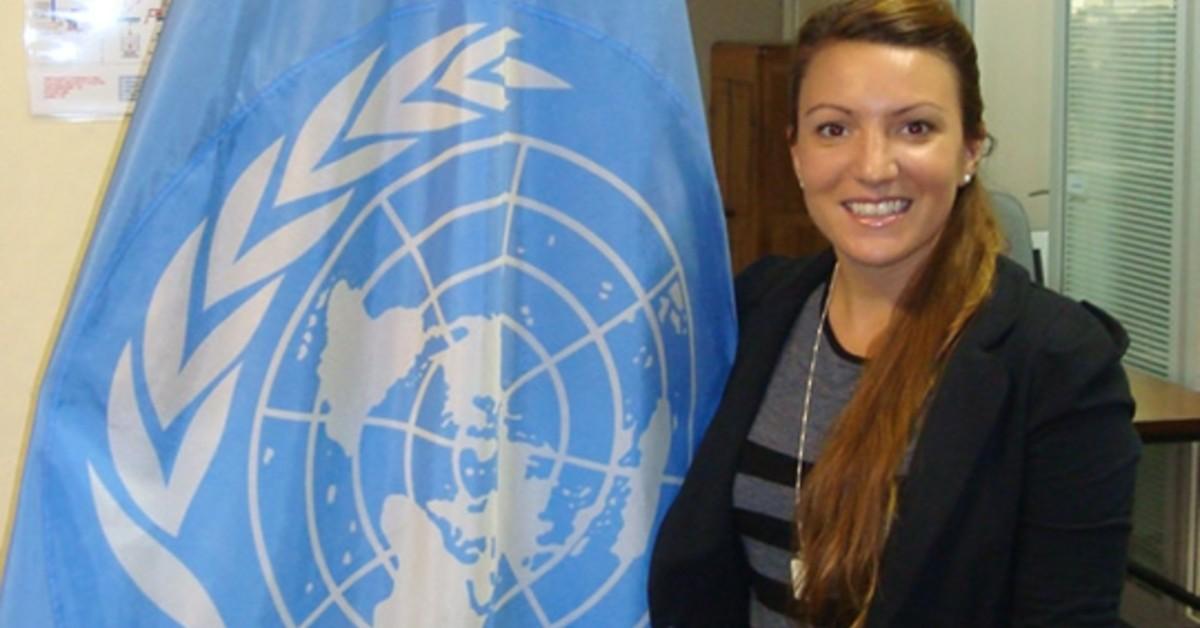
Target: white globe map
[[509, 474]]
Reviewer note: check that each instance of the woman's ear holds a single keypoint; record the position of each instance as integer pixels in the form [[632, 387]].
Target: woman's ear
[[974, 150]]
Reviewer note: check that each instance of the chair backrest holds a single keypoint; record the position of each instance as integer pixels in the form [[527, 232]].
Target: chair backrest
[[1014, 223]]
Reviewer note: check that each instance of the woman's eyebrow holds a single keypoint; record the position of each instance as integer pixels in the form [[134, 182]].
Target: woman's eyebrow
[[909, 108], [897, 112], [818, 106]]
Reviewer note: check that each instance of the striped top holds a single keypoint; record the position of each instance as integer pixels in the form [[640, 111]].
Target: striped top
[[764, 487]]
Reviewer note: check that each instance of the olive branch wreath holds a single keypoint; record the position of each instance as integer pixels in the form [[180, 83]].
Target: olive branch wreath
[[208, 376]]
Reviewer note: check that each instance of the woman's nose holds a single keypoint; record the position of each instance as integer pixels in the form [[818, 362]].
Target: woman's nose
[[876, 161]]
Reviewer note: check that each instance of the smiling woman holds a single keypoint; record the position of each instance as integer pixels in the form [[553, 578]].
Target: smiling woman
[[880, 150], [913, 433]]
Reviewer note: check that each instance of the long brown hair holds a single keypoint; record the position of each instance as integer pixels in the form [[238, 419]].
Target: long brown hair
[[850, 496]]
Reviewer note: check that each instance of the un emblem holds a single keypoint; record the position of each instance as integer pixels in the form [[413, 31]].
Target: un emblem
[[441, 330], [470, 451]]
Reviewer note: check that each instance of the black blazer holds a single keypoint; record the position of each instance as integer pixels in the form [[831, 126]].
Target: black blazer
[[1017, 503]]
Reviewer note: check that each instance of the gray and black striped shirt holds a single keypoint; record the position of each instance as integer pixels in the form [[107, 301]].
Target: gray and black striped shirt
[[764, 487]]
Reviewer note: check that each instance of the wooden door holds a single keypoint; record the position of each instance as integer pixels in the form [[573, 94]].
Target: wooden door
[[748, 118]]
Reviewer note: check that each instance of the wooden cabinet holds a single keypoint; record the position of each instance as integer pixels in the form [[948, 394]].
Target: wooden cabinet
[[748, 118]]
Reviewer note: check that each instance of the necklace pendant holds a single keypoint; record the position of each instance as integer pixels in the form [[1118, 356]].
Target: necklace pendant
[[799, 576]]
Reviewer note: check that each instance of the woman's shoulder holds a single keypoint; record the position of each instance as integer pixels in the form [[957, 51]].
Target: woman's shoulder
[[764, 273], [1057, 324], [1066, 352], [755, 283]]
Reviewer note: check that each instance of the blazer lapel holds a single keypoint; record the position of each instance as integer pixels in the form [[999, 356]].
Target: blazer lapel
[[763, 334], [963, 414], [970, 400]]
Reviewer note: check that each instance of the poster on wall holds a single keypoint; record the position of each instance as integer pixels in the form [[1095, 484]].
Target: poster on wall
[[87, 57]]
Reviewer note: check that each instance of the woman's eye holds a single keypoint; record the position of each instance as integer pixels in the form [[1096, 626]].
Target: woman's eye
[[918, 127], [830, 129]]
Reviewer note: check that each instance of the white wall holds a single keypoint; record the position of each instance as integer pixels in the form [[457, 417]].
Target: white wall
[[1015, 40], [51, 175], [758, 21]]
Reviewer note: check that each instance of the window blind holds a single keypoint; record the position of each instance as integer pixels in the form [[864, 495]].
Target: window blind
[[1120, 206]]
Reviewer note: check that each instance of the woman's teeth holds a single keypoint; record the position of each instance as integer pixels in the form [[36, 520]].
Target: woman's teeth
[[874, 210]]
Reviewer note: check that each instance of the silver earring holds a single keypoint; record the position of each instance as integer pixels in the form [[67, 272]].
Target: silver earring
[[967, 178], [801, 182]]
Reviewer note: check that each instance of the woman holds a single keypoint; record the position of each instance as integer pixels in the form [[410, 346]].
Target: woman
[[974, 455]]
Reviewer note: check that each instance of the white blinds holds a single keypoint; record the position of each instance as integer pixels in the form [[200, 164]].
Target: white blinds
[[1120, 209]]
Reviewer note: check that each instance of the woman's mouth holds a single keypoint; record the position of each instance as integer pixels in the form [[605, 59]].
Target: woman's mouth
[[877, 213], [878, 209]]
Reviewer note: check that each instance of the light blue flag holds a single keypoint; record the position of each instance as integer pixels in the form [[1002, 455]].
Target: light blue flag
[[397, 313]]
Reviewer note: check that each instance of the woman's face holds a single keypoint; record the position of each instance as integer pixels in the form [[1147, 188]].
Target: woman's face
[[879, 150]]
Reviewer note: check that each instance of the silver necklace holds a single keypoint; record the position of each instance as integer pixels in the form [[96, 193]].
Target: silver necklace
[[798, 567]]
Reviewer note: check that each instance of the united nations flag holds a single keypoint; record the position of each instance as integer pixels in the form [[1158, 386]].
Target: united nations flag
[[397, 314]]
